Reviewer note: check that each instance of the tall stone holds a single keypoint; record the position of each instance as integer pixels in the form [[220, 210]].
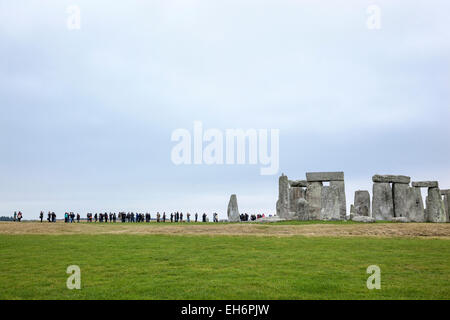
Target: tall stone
[[416, 211], [446, 195], [314, 198], [383, 202], [283, 197], [295, 193], [400, 192], [233, 211], [435, 210], [302, 210], [340, 186], [362, 203], [331, 205]]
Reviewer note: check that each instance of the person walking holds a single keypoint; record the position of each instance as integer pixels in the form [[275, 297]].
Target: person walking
[[15, 216], [164, 216], [41, 215], [196, 217], [181, 217], [78, 218], [204, 217], [188, 217], [19, 216]]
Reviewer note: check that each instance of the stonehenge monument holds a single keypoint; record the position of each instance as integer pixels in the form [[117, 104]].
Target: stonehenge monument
[[393, 199], [400, 202], [233, 211], [310, 200]]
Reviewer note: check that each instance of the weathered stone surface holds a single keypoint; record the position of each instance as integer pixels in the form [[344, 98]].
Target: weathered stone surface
[[363, 219], [233, 211], [362, 203], [447, 206], [295, 193], [383, 202], [389, 178], [324, 176], [401, 192], [340, 186], [283, 197], [400, 219], [435, 210], [445, 192], [298, 183], [352, 209], [331, 209], [414, 203], [425, 184], [302, 210], [314, 198]]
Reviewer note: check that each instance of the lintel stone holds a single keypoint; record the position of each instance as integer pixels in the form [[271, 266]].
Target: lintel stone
[[324, 176], [389, 178], [445, 192], [425, 184], [298, 183]]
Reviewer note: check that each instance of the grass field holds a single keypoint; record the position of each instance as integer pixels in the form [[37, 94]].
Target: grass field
[[123, 265]]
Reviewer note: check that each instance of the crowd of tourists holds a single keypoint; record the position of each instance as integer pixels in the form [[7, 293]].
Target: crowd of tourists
[[112, 217]]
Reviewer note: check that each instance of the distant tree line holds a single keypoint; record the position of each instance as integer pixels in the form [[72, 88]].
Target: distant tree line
[[6, 218]]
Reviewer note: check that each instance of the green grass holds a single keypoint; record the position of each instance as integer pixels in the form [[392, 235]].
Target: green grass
[[222, 267]]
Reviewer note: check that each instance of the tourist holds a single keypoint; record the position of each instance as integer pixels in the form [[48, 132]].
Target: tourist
[[188, 217], [53, 217], [181, 217], [204, 217], [15, 216], [196, 217], [19, 216], [78, 218], [164, 216], [41, 215]]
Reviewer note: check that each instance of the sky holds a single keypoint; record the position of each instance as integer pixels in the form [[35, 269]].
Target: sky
[[87, 115]]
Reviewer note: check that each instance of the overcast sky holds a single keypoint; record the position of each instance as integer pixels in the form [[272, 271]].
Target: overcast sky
[[86, 116]]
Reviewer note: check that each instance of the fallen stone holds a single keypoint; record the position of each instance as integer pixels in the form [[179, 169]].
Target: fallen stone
[[270, 219], [331, 209], [363, 219], [383, 202], [362, 203], [298, 183], [435, 210], [324, 176], [314, 198], [233, 211], [414, 203], [388, 178], [425, 184], [400, 219]]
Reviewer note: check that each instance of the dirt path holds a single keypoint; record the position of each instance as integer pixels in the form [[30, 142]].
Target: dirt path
[[440, 230]]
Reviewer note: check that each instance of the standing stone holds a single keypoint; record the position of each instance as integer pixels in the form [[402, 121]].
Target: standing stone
[[400, 192], [435, 210], [383, 202], [331, 206], [414, 203], [283, 197], [362, 203], [314, 198], [446, 194], [302, 210], [340, 186], [295, 193], [233, 211]]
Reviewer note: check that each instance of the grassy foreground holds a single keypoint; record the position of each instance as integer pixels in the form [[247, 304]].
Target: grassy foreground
[[222, 267]]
